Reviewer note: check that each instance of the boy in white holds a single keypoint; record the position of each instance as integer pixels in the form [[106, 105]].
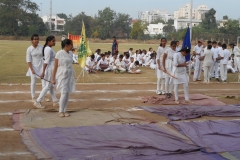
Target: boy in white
[[230, 67], [207, 58], [198, 64], [34, 59], [215, 64], [103, 64], [127, 60], [236, 52], [134, 68], [159, 69], [180, 71], [130, 52], [112, 61], [136, 55], [224, 61], [119, 65], [90, 65], [168, 67], [152, 62]]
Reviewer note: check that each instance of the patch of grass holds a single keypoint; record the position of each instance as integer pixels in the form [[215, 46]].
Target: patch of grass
[[13, 66]]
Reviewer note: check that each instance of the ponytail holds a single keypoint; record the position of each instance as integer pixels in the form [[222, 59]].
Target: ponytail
[[49, 38], [66, 42]]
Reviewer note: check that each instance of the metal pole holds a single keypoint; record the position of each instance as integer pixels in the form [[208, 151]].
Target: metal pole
[[191, 10], [50, 16], [238, 40]]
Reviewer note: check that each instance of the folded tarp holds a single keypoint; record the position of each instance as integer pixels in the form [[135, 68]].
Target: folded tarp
[[197, 99], [120, 142], [30, 119], [212, 136], [176, 113]]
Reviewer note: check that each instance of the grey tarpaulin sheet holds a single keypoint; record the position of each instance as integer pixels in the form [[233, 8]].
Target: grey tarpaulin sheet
[[176, 113], [111, 142], [212, 136]]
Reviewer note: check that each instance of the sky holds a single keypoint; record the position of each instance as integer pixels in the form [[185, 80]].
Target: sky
[[132, 7]]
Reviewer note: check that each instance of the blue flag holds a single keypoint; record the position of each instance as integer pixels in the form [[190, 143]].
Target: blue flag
[[187, 43]]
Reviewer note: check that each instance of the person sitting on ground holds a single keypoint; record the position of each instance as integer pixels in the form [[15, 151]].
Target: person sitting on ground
[[91, 65], [230, 67], [153, 63], [126, 59], [119, 65], [112, 61], [103, 64], [136, 55], [107, 56], [130, 52], [134, 68]]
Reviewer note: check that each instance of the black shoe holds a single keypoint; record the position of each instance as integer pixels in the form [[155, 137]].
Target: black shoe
[[217, 79]]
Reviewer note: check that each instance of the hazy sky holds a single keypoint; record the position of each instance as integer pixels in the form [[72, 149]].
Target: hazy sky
[[132, 7]]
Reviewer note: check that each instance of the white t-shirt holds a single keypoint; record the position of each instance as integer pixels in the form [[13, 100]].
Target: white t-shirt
[[215, 53], [225, 54], [119, 63], [208, 60], [101, 61], [132, 66], [198, 50], [49, 55], [90, 63]]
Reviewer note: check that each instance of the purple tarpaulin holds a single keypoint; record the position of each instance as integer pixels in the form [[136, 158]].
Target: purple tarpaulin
[[212, 136], [176, 113], [142, 142]]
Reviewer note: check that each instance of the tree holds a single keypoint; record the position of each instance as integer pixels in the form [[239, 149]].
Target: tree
[[63, 15], [225, 17], [15, 16], [137, 31], [168, 29], [121, 25], [231, 27], [209, 22], [158, 20], [170, 22]]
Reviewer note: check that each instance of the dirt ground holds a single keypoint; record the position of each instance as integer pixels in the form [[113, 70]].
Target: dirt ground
[[14, 97]]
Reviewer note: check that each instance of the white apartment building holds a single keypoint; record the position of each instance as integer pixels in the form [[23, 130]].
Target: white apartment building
[[150, 16], [154, 29], [57, 21], [184, 23], [184, 12]]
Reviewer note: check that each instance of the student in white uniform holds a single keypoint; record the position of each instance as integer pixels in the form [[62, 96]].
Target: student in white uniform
[[168, 67], [236, 52], [112, 61], [130, 52], [152, 61], [119, 65], [75, 56], [127, 61], [63, 73], [34, 59], [197, 52], [208, 58], [216, 63], [136, 55], [180, 72], [91, 65], [48, 65], [178, 48], [134, 68], [159, 69], [230, 65], [224, 61], [140, 57], [103, 64]]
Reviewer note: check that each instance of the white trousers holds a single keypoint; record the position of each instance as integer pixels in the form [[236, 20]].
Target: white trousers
[[223, 71], [214, 70], [197, 69], [137, 71], [185, 87], [119, 68], [33, 84], [47, 87], [207, 73], [236, 64], [168, 87], [160, 84], [63, 102]]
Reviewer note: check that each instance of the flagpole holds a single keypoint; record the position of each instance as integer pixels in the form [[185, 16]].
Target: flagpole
[[191, 10]]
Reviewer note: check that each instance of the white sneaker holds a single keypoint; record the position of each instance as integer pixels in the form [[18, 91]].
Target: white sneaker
[[163, 93], [38, 105], [46, 99], [159, 92], [55, 104]]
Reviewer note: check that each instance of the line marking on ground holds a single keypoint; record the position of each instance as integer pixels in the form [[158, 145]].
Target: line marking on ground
[[6, 114], [14, 153], [6, 129], [5, 54]]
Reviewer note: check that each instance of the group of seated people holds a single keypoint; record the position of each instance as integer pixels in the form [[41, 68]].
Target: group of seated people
[[120, 63]]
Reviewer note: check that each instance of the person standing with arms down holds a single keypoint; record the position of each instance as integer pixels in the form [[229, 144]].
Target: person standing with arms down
[[197, 52], [215, 64], [224, 61], [236, 52], [180, 72], [168, 66], [49, 56], [159, 69], [63, 73], [114, 46], [34, 59]]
